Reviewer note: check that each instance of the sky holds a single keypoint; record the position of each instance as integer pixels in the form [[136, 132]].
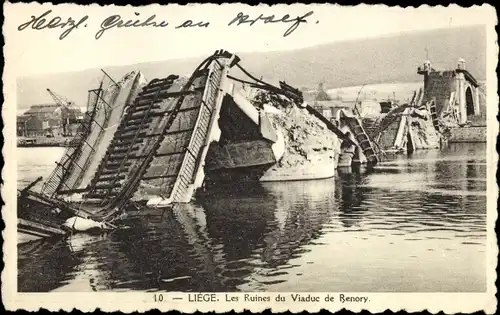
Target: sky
[[31, 52]]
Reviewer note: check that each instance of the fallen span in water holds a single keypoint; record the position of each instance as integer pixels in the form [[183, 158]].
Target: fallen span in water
[[153, 136]]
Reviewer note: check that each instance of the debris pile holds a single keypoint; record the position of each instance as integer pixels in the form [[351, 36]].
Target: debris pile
[[417, 127], [422, 132], [307, 139]]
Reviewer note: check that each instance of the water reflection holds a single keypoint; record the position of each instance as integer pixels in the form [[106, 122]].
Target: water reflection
[[45, 265], [415, 223], [301, 212], [351, 194]]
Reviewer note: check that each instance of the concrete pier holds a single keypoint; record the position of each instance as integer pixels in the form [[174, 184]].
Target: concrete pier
[[311, 149]]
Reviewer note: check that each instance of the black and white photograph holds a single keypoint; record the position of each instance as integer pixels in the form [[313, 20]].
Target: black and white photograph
[[258, 150]]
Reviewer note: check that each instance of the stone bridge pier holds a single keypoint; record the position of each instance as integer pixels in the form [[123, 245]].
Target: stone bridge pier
[[455, 91]]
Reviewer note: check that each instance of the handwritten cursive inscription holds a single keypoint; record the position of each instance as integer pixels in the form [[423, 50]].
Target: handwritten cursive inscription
[[189, 23], [40, 23], [117, 21], [45, 21], [242, 18]]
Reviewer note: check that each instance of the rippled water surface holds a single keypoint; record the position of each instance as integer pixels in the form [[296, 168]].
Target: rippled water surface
[[412, 224]]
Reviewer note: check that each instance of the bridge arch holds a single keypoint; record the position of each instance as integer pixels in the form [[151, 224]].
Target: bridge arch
[[469, 101]]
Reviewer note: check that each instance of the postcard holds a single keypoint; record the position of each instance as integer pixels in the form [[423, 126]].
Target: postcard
[[234, 157]]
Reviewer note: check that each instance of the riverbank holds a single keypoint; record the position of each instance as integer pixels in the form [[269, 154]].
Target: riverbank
[[468, 134], [43, 142]]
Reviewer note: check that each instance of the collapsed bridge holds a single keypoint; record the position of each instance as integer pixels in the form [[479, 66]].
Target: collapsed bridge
[[160, 141]]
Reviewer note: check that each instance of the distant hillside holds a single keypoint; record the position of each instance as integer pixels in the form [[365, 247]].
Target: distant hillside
[[379, 60]]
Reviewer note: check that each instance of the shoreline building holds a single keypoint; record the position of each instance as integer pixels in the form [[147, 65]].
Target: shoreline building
[[49, 120], [29, 126], [329, 107]]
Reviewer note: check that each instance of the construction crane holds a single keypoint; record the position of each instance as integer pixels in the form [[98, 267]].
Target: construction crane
[[67, 109]]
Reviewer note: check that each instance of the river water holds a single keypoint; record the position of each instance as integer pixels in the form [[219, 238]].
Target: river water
[[411, 224]]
